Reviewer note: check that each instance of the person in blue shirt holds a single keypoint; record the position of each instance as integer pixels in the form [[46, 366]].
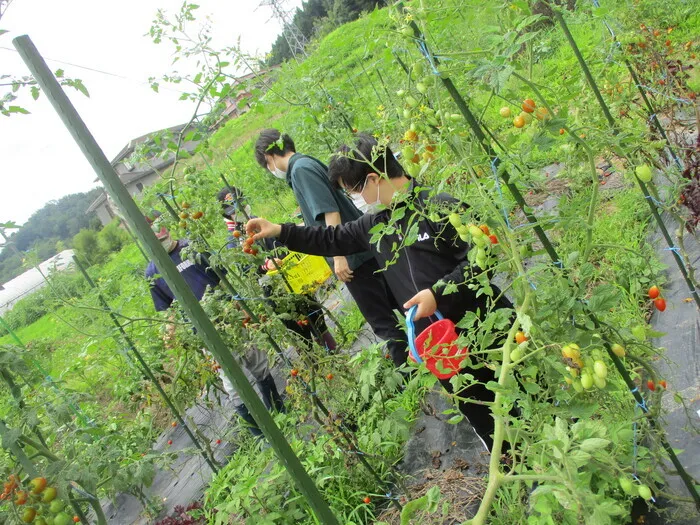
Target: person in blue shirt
[[324, 205], [199, 277]]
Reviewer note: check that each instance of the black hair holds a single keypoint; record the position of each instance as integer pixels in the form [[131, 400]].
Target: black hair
[[350, 166], [267, 145], [237, 194], [229, 207]]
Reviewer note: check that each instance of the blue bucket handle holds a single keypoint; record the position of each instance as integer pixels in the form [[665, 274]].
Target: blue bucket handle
[[410, 315]]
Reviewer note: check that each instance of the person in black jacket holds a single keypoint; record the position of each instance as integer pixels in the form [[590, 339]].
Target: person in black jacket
[[323, 205], [412, 269]]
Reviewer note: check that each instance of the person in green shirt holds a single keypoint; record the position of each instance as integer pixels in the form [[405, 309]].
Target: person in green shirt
[[323, 205]]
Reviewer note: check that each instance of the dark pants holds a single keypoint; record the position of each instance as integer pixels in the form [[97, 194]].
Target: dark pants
[[479, 416], [316, 328], [271, 399], [377, 304]]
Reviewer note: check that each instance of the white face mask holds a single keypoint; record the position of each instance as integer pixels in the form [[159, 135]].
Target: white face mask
[[372, 207], [277, 172]]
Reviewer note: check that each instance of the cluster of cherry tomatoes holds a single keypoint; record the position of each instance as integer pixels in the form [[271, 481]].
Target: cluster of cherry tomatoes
[[655, 295], [529, 107], [184, 215], [37, 502], [248, 244], [583, 372], [480, 236]]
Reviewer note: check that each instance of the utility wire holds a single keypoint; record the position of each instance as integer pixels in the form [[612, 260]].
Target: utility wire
[[96, 70]]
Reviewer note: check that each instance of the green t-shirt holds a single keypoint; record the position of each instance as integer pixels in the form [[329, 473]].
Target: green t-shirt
[[308, 178]]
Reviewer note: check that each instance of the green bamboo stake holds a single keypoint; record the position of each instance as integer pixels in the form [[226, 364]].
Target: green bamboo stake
[[145, 369], [157, 253], [584, 67]]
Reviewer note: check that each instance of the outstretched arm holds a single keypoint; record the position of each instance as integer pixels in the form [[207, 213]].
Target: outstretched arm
[[345, 239]]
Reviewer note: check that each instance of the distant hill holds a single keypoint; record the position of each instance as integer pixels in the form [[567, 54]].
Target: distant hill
[[48, 229]]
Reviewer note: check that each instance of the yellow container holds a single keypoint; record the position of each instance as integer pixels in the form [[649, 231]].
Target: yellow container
[[304, 273]]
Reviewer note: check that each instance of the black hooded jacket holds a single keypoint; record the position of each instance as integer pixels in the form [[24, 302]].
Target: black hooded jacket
[[437, 254]]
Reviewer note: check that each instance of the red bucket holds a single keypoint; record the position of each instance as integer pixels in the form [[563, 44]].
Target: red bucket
[[435, 346]]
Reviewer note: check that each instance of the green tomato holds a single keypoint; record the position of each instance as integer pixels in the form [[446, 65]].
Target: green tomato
[[456, 117], [599, 369], [643, 172], [400, 92], [586, 380], [475, 231], [422, 88], [49, 494], [56, 506], [516, 354], [618, 350], [418, 69], [627, 486], [644, 492], [455, 220], [578, 386], [406, 113], [599, 382], [411, 101], [62, 519]]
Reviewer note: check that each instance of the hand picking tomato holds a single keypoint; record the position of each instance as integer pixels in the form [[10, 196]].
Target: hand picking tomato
[[660, 304], [654, 292]]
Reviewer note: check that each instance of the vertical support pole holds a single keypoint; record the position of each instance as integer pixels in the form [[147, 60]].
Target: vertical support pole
[[212, 339]]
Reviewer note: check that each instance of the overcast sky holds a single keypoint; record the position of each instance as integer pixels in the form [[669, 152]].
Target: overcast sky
[[39, 161]]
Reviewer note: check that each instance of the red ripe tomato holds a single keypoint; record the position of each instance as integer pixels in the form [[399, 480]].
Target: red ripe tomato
[[170, 442], [528, 105], [654, 292], [236, 234], [520, 337], [650, 385], [218, 442], [518, 122], [253, 251], [367, 500], [76, 519], [484, 228], [663, 384], [493, 239], [660, 304], [294, 372], [329, 377]]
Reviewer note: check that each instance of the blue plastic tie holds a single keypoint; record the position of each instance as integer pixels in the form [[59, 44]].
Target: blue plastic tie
[[673, 249], [652, 199]]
